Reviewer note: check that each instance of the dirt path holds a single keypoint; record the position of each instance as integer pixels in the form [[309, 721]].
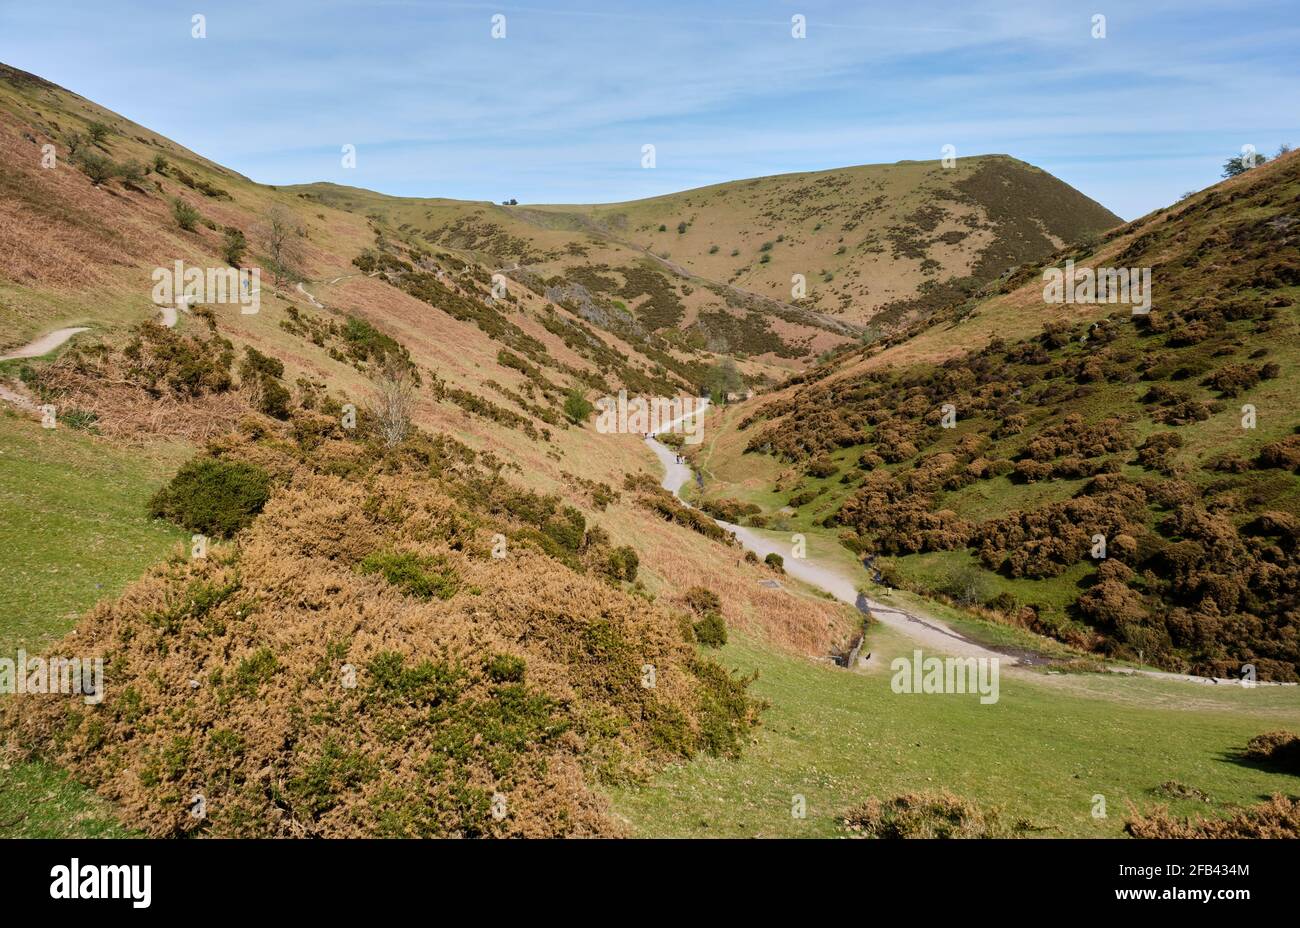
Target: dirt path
[[926, 631], [314, 302], [45, 344], [51, 340], [929, 633]]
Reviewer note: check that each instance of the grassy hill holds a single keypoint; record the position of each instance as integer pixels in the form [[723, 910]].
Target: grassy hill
[[715, 267], [1069, 421], [875, 243]]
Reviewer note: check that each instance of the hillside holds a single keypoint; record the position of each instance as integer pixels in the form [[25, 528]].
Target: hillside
[[255, 401], [878, 243], [713, 267], [1172, 435]]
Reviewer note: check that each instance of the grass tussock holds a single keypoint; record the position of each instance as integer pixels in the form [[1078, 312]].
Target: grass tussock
[[927, 815]]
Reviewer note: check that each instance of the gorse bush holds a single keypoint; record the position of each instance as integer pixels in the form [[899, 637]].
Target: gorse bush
[[233, 243], [711, 631], [421, 577], [339, 694], [1280, 749], [577, 408], [213, 496], [1277, 817]]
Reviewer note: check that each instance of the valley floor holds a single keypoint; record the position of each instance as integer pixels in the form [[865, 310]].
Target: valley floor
[[1043, 752]]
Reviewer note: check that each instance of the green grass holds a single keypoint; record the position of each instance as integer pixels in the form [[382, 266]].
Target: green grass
[[75, 527], [1041, 752], [39, 801], [75, 531]]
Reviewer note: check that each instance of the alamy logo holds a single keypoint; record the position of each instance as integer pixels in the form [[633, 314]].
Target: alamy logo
[[69, 676], [88, 881], [1129, 285], [641, 416], [185, 286], [946, 676]]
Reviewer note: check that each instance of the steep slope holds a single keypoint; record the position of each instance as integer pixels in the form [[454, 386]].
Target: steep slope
[[83, 235], [1127, 482]]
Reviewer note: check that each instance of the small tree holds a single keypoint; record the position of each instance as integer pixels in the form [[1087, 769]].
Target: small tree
[[1242, 163], [724, 378], [576, 407], [233, 245], [186, 216], [159, 164], [97, 132], [76, 142], [282, 236], [394, 401]]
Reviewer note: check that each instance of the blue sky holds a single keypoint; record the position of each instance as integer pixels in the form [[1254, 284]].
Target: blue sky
[[558, 110]]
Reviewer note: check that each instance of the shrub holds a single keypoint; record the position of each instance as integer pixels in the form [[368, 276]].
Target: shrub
[[701, 600], [506, 668], [775, 561], [1276, 748], [711, 631], [1278, 817], [213, 496], [186, 216], [131, 172], [256, 364], [274, 400], [98, 168], [97, 132], [622, 564], [421, 577], [823, 466], [577, 407], [233, 245], [1004, 602]]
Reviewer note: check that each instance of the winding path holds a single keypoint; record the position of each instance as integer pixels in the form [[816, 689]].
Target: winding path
[[926, 631]]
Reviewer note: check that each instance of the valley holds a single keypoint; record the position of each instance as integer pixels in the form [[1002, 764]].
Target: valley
[[435, 600]]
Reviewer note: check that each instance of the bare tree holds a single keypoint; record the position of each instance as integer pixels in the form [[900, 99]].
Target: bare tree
[[282, 237], [394, 400]]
